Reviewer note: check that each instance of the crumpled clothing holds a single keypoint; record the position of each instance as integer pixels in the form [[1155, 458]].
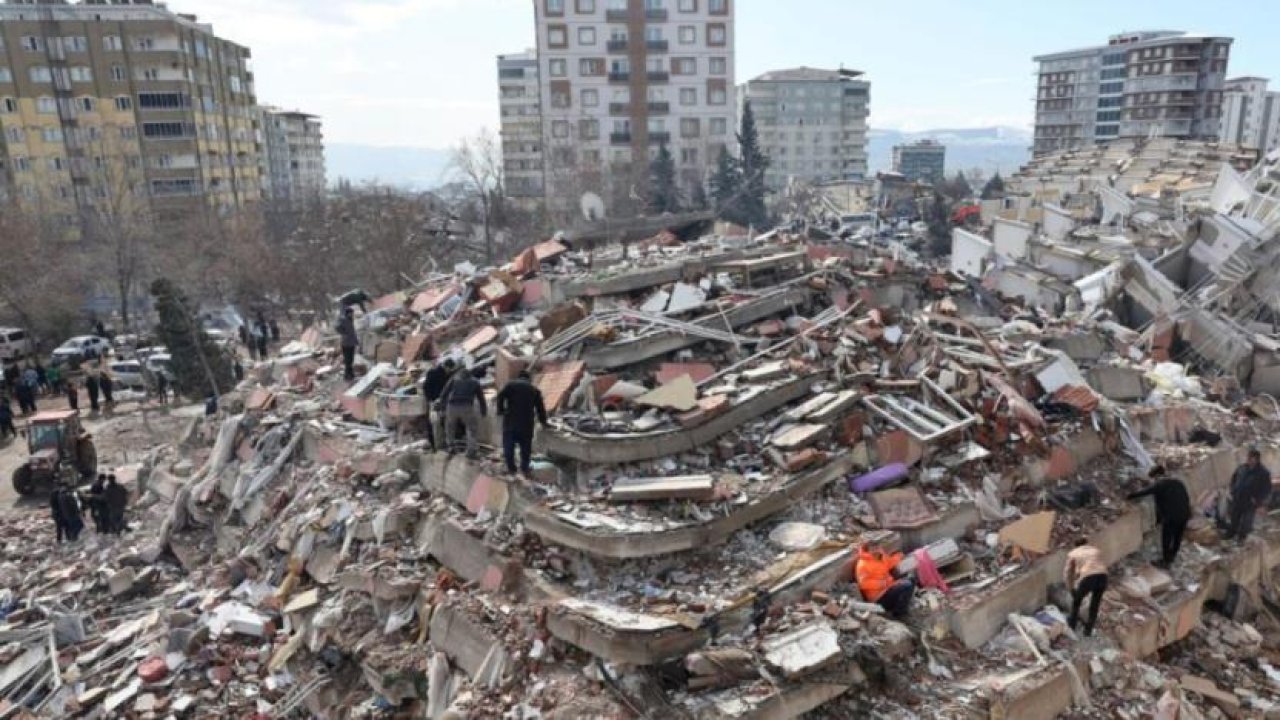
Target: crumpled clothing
[[927, 572]]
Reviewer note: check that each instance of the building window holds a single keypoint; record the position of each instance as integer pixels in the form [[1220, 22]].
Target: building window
[[719, 66], [51, 135], [32, 43], [6, 75], [591, 157], [688, 96], [81, 74], [124, 103], [589, 129], [21, 164], [586, 36], [86, 104], [585, 6], [653, 4], [112, 43], [558, 68], [684, 66], [9, 105], [717, 96], [118, 73], [557, 36], [144, 43], [590, 98], [657, 125], [165, 130], [560, 99], [77, 43], [40, 74], [716, 35], [555, 7], [719, 126], [718, 7], [689, 156], [560, 129], [688, 6], [161, 101], [177, 186], [591, 67], [46, 106], [690, 127], [617, 5], [56, 164], [688, 34]]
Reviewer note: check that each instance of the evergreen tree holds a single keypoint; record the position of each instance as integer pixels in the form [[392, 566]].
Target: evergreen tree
[[754, 163], [994, 188], [698, 199], [959, 188], [726, 183], [199, 366], [664, 194], [939, 221]]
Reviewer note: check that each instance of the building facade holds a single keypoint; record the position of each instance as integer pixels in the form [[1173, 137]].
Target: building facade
[[106, 102], [921, 161], [1153, 83], [620, 78], [292, 156], [520, 101], [1251, 114], [812, 124]]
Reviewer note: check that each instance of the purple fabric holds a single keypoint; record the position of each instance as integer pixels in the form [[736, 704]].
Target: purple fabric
[[878, 478]]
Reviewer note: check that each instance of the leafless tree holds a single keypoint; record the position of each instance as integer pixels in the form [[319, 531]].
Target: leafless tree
[[477, 163]]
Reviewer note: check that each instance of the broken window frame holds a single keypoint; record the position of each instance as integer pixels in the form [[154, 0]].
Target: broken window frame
[[907, 415]]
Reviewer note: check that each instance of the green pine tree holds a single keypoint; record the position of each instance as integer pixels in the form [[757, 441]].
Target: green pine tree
[[664, 193], [959, 187], [994, 188], [726, 183], [754, 163], [199, 366]]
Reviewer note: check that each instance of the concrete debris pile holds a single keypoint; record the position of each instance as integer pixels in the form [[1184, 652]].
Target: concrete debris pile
[[731, 420]]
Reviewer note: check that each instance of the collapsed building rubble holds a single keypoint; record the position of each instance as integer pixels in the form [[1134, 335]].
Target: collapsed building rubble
[[732, 417]]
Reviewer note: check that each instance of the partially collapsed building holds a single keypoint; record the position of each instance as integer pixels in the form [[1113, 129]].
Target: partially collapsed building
[[732, 416]]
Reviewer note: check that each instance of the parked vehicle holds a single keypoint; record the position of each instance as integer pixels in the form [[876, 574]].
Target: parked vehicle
[[14, 343], [160, 364], [59, 448], [128, 373], [79, 349]]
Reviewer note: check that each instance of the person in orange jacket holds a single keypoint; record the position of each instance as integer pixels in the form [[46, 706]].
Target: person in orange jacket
[[874, 573]]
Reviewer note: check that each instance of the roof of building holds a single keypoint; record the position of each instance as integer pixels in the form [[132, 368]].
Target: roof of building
[[1153, 38], [807, 74], [1248, 78]]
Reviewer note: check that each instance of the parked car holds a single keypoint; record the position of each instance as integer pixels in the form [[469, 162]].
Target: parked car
[[160, 364], [79, 349], [127, 373], [14, 343]]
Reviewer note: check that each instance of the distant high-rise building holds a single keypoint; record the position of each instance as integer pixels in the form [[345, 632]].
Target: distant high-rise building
[[1165, 83], [292, 156], [812, 123], [620, 78], [1251, 114], [520, 101], [101, 101], [921, 161]]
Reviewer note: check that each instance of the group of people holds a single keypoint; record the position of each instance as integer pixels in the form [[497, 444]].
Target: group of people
[[456, 396], [1085, 573], [26, 383], [106, 501], [258, 336]]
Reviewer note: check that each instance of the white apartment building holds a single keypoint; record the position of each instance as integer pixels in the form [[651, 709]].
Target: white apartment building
[[292, 156], [620, 78], [1163, 82], [1251, 114], [520, 101], [812, 124]]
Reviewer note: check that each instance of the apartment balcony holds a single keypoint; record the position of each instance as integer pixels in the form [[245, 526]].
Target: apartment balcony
[[617, 15], [620, 77], [616, 46], [657, 14], [619, 109], [656, 45], [657, 138], [620, 138], [658, 76], [659, 108]]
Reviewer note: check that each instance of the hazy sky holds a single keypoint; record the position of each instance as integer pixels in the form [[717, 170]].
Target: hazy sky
[[422, 72]]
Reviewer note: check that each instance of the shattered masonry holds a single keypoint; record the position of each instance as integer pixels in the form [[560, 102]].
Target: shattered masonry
[[731, 417]]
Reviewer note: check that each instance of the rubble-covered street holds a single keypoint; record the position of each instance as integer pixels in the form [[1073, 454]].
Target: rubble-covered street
[[732, 415]]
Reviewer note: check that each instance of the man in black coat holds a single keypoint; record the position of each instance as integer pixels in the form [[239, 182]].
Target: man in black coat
[[1250, 488], [519, 404], [97, 502], [1173, 511], [464, 404], [117, 498], [432, 388]]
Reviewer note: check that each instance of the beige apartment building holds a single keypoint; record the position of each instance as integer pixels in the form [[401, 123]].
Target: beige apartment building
[[620, 78], [117, 103]]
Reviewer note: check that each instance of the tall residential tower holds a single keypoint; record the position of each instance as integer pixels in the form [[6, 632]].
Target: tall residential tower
[[1251, 114], [292, 156], [520, 100]]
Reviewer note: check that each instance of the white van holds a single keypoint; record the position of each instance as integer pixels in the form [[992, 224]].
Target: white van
[[14, 343]]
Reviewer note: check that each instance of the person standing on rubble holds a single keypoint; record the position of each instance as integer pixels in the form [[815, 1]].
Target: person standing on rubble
[[347, 335], [433, 384], [92, 387], [1250, 489], [97, 502], [6, 419], [463, 400], [66, 514], [1173, 511], [117, 499], [519, 404], [73, 394], [874, 574], [106, 384], [1086, 574]]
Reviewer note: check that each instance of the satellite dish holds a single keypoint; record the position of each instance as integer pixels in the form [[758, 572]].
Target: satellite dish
[[592, 206]]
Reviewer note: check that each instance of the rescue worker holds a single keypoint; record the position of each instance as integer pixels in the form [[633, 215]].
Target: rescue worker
[[68, 515], [519, 404], [874, 574], [162, 387], [97, 502], [1250, 488], [432, 387], [92, 387], [464, 404], [1085, 574], [73, 394], [106, 384], [117, 498], [1173, 511], [346, 328], [55, 512]]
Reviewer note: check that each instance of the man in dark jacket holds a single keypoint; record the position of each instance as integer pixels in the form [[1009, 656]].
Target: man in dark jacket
[[519, 404], [92, 387], [432, 387], [464, 404], [117, 498], [1250, 488], [1173, 510], [347, 335], [70, 521], [7, 429], [96, 500]]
